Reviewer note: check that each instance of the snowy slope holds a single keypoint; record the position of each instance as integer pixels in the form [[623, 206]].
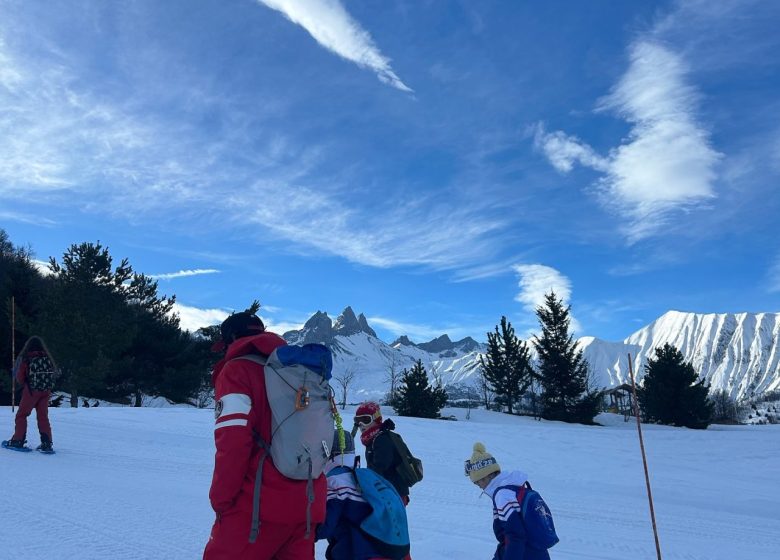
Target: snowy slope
[[738, 353], [132, 483]]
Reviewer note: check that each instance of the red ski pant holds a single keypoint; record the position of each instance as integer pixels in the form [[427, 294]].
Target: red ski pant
[[229, 540], [38, 400]]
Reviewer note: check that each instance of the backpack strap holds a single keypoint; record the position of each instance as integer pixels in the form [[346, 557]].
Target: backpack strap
[[255, 529], [521, 493], [256, 358]]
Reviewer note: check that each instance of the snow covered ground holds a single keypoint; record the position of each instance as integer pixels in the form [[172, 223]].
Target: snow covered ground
[[132, 483]]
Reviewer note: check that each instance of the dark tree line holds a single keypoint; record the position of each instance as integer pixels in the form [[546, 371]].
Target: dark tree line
[[112, 333]]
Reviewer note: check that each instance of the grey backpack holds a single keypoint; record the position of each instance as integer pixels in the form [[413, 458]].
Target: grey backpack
[[302, 418]]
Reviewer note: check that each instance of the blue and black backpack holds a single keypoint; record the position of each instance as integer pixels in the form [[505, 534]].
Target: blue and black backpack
[[536, 516], [386, 526]]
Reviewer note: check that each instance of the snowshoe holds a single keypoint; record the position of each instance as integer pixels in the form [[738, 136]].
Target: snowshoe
[[46, 445], [15, 445], [45, 448]]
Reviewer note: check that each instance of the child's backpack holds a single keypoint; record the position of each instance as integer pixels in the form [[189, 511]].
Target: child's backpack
[[299, 395], [537, 518], [410, 469], [386, 525], [41, 373]]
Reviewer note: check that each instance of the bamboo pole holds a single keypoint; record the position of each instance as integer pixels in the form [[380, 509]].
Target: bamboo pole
[[644, 459]]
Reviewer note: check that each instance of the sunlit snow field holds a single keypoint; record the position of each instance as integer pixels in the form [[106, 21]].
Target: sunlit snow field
[[132, 483]]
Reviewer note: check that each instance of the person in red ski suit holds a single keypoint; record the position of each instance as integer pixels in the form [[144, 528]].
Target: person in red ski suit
[[242, 410], [37, 400]]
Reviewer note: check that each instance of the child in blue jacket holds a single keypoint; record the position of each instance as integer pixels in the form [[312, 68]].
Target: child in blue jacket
[[346, 509], [508, 525]]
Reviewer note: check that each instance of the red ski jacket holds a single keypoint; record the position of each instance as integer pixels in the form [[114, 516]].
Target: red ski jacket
[[242, 410]]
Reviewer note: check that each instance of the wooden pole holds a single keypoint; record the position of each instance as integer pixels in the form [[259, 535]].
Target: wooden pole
[[644, 460], [13, 353]]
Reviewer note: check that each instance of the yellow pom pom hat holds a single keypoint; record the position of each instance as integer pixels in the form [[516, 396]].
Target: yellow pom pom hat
[[481, 463]]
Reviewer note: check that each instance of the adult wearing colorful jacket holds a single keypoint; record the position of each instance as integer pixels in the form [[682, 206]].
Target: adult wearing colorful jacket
[[508, 527], [346, 509], [33, 355], [242, 411]]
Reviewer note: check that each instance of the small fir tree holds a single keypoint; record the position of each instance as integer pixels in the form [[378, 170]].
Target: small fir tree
[[672, 393], [562, 370], [416, 397], [506, 365]]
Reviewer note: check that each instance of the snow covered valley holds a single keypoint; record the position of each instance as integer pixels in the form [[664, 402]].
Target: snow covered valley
[[132, 483]]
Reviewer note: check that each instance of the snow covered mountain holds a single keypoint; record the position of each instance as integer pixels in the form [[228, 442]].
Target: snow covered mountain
[[359, 352], [738, 353]]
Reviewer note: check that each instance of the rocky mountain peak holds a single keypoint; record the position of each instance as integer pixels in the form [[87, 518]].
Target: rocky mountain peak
[[347, 323], [403, 340], [363, 322], [318, 329], [440, 344]]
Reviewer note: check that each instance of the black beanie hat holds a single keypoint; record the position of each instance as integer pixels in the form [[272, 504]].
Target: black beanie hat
[[240, 325]]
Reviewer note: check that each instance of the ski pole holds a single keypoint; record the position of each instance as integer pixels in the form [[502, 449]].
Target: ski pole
[[644, 459], [13, 354]]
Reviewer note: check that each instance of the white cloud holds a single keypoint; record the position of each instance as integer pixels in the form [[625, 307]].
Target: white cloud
[[774, 276], [194, 318], [666, 162], [538, 280], [413, 330], [333, 28], [564, 151], [42, 267], [429, 234], [424, 333], [281, 327], [184, 273]]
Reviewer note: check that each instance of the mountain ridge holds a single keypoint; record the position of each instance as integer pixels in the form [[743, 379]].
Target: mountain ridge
[[735, 352]]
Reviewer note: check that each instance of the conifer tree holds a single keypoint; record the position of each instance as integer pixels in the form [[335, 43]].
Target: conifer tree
[[416, 397], [506, 365], [84, 320], [562, 370], [671, 392]]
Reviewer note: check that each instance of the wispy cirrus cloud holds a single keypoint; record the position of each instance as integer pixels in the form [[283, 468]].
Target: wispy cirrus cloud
[[75, 148], [184, 273], [421, 332], [774, 276], [329, 23], [666, 163], [441, 236]]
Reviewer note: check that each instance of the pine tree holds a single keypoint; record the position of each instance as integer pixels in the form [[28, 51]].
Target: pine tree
[[672, 393], [85, 318], [506, 365], [562, 370], [416, 397]]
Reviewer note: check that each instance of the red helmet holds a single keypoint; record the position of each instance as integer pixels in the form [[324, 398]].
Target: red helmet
[[368, 413]]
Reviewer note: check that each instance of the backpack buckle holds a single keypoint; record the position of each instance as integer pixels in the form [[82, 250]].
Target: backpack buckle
[[302, 398]]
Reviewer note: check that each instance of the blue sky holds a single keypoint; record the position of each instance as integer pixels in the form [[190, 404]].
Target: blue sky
[[433, 164]]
